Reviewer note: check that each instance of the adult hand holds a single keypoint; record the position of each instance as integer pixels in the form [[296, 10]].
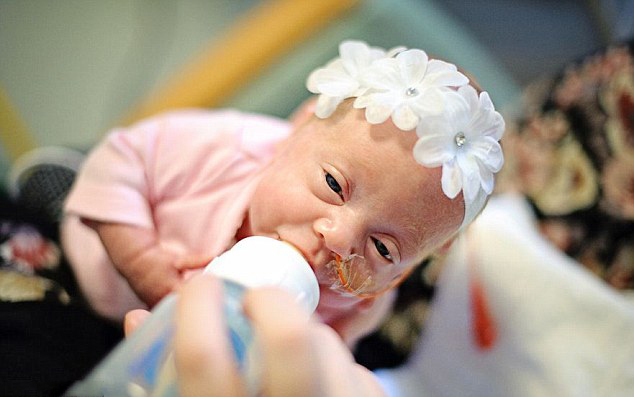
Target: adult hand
[[298, 355]]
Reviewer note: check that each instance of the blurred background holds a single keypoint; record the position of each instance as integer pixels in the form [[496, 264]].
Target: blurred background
[[72, 69]]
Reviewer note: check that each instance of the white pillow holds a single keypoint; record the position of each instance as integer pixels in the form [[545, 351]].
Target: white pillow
[[560, 330]]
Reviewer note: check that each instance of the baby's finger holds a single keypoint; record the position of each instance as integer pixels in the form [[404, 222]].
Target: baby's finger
[[192, 262], [281, 328], [133, 319], [189, 273], [204, 359]]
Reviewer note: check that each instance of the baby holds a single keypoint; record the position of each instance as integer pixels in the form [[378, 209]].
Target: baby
[[396, 155]]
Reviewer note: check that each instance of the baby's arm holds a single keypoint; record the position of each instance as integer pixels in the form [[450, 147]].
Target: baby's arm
[[152, 270], [137, 255]]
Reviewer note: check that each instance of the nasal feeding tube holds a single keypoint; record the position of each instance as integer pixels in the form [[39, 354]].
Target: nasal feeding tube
[[350, 279], [354, 276]]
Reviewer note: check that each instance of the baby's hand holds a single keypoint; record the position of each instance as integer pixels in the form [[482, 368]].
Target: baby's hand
[[159, 272], [192, 265], [152, 274], [151, 269]]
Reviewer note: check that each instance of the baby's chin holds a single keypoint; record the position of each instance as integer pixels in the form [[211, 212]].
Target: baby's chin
[[333, 303]]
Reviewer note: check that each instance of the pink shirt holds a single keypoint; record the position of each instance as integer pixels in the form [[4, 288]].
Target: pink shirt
[[188, 174]]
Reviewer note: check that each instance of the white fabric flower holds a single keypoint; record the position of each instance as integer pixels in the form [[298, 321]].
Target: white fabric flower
[[408, 87], [341, 78], [465, 143], [457, 129]]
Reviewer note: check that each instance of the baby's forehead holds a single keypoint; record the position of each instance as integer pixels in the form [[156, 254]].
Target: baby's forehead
[[349, 126], [381, 153], [414, 202]]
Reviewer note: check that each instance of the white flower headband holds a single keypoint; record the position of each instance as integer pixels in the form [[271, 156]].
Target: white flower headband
[[457, 129]]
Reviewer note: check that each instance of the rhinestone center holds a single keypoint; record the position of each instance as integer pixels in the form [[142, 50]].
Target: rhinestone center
[[411, 91], [460, 139]]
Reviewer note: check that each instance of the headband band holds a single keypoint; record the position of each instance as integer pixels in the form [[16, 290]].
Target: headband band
[[457, 128]]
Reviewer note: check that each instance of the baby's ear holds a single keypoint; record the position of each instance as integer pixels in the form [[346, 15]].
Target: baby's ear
[[304, 112]]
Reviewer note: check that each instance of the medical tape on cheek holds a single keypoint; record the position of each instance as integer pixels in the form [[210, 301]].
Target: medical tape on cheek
[[349, 277]]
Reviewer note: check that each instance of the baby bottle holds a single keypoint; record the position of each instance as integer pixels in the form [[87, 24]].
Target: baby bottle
[[143, 364]]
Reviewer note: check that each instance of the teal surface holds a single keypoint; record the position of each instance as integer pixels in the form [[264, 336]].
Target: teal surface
[[385, 23], [74, 68]]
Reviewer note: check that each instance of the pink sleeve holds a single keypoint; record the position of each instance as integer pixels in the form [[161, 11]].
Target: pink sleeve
[[137, 168]]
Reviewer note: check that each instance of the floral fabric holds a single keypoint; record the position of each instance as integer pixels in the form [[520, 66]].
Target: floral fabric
[[572, 156], [49, 336], [32, 267]]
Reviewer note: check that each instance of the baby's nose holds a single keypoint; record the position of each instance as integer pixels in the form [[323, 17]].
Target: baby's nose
[[338, 236]]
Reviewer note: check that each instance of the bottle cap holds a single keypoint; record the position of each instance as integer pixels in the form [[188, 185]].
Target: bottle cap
[[259, 261]]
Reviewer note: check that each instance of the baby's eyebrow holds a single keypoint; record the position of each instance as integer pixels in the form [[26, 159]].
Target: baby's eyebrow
[[410, 238]]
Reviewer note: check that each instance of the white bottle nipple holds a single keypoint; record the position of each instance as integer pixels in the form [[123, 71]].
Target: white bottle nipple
[[262, 261]]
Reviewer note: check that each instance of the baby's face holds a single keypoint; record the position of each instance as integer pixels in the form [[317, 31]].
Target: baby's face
[[341, 186]]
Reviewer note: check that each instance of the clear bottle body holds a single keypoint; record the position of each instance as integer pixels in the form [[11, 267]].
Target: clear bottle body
[[143, 365]]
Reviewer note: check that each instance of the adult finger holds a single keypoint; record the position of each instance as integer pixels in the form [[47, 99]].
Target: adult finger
[[133, 319], [193, 262], [368, 384], [340, 375], [287, 355], [202, 350]]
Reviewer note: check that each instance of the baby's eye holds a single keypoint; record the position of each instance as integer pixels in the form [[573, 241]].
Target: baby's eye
[[382, 249], [334, 185]]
